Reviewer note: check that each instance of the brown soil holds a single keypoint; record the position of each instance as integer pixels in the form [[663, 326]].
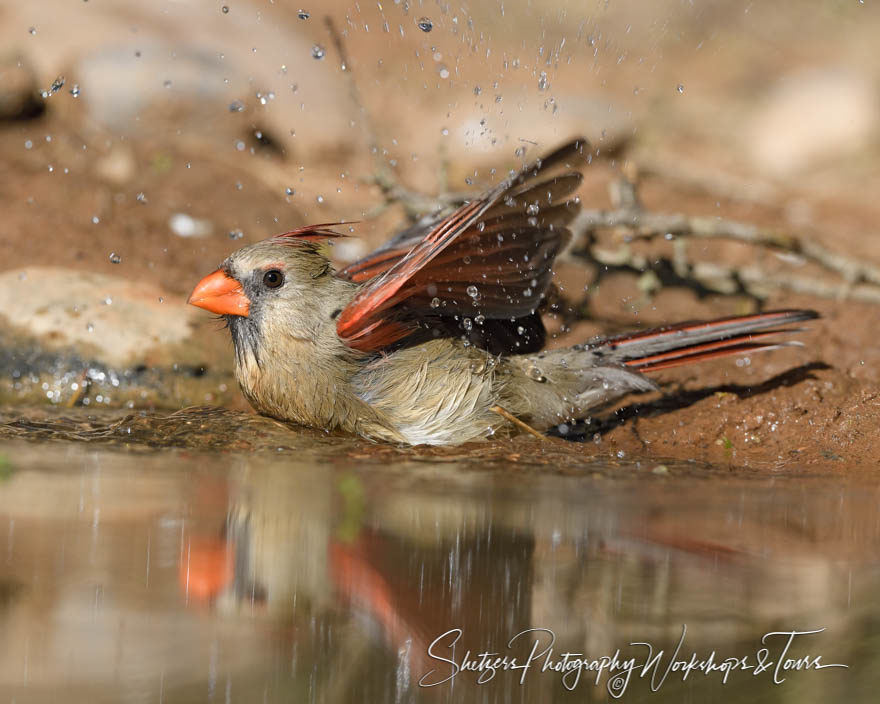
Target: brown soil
[[72, 197]]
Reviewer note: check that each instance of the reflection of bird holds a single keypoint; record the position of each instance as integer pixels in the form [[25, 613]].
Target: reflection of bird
[[271, 549], [435, 337]]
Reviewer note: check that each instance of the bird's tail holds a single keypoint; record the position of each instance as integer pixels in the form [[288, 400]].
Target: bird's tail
[[685, 343]]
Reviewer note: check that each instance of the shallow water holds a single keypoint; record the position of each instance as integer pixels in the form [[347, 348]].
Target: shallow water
[[208, 556]]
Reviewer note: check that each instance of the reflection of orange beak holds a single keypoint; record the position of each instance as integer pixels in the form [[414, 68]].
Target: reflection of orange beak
[[221, 294], [206, 568]]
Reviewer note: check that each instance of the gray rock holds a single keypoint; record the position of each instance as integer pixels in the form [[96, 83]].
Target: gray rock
[[75, 337]]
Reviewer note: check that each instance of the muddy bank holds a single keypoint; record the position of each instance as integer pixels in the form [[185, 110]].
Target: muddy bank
[[694, 434], [129, 180]]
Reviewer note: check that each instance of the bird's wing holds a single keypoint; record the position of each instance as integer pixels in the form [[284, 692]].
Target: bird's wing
[[486, 265]]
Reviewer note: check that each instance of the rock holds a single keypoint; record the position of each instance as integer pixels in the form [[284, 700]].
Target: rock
[[117, 167], [69, 336], [184, 225], [813, 116]]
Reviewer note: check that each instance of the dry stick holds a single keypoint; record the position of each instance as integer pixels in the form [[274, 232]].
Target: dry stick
[[697, 177], [415, 204], [517, 422], [354, 94], [644, 225]]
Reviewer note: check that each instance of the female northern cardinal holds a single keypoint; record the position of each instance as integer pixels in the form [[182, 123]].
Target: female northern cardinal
[[435, 337]]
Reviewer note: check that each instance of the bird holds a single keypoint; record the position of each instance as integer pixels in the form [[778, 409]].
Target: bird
[[436, 338]]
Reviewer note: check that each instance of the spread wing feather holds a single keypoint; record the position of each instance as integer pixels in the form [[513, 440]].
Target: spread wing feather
[[490, 261]]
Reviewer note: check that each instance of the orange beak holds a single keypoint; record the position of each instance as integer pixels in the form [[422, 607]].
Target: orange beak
[[221, 294]]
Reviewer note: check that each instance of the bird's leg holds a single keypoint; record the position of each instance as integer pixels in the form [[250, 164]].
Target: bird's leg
[[517, 422]]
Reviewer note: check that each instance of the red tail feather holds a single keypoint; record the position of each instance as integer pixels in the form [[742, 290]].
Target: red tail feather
[[685, 343]]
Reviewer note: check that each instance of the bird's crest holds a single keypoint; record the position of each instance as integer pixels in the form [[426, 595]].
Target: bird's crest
[[309, 233]]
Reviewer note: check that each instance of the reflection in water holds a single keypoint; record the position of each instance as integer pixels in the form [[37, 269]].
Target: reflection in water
[[168, 576]]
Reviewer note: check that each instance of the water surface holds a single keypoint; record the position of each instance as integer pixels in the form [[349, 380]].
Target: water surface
[[212, 557]]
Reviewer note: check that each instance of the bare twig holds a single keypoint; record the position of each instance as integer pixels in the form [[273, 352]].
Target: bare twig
[[706, 179], [353, 92], [637, 224]]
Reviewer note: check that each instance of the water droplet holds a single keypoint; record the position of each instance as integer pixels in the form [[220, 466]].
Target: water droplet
[[303, 14], [467, 324], [520, 152], [235, 234], [445, 132], [680, 88], [520, 330], [320, 199], [28, 144], [32, 30], [435, 302], [57, 85], [75, 90], [473, 292], [480, 319], [477, 90], [90, 327], [115, 258], [141, 197], [289, 191], [166, 83], [318, 52], [108, 301], [225, 9], [236, 106], [95, 219], [543, 82], [425, 24], [533, 209]]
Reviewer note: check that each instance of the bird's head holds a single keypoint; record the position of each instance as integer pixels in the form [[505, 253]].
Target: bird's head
[[274, 287]]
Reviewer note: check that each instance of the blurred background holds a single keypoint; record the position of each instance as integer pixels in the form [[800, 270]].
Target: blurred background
[[145, 141]]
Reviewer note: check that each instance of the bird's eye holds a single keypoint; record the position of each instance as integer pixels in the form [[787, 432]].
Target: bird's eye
[[273, 278]]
